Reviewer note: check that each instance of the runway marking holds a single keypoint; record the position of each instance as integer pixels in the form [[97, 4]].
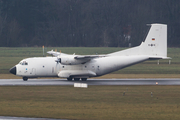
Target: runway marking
[[40, 82]]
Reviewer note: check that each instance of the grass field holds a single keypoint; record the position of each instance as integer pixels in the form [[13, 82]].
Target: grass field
[[11, 56], [93, 103]]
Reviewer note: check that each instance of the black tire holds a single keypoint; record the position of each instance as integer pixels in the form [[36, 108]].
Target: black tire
[[76, 79], [69, 79], [84, 79], [25, 78]]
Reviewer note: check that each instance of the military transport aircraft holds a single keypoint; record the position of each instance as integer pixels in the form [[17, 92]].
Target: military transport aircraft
[[76, 67]]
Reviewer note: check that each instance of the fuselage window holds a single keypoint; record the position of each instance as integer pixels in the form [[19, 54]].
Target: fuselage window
[[23, 63]]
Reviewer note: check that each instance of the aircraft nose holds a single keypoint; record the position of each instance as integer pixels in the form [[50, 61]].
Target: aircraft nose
[[13, 70]]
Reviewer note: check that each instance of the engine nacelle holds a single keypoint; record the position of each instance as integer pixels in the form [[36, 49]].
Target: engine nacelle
[[70, 60]]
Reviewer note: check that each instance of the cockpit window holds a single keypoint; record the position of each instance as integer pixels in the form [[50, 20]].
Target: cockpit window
[[23, 63], [26, 63]]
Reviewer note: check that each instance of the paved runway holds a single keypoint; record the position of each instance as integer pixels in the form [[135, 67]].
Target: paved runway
[[162, 81], [33, 82]]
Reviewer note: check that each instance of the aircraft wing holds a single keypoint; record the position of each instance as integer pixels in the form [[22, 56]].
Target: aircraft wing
[[67, 59], [54, 53], [88, 56]]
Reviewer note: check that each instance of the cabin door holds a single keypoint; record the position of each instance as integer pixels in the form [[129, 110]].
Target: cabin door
[[33, 72]]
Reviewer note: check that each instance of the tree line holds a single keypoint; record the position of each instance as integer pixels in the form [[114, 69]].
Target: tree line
[[86, 23]]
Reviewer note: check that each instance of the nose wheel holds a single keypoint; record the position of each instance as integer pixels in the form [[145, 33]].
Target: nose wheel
[[25, 78]]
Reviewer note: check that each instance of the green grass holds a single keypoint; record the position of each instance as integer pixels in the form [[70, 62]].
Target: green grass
[[11, 56], [93, 103]]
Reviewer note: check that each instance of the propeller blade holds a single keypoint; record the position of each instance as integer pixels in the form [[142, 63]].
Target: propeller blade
[[58, 60]]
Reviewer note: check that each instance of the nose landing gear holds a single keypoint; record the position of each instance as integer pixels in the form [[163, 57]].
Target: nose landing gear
[[25, 78]]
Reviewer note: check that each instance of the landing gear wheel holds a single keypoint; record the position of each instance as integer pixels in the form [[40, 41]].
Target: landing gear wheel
[[25, 78], [83, 79], [76, 79], [69, 79]]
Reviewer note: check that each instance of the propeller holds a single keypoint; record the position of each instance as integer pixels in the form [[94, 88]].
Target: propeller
[[58, 60]]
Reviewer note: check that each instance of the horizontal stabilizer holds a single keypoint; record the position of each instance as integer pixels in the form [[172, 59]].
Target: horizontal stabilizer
[[158, 57]]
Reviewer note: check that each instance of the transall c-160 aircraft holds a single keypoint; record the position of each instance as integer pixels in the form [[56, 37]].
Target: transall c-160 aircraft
[[76, 67]]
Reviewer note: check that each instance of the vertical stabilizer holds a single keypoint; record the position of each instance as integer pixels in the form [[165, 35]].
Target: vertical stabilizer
[[155, 44], [156, 41]]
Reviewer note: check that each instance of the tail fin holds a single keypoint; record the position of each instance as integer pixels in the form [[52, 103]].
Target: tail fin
[[156, 41], [155, 44]]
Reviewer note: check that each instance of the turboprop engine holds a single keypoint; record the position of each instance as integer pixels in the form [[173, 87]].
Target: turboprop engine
[[70, 60]]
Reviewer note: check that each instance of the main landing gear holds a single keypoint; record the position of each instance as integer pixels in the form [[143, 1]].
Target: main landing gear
[[69, 79], [77, 79], [83, 79]]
